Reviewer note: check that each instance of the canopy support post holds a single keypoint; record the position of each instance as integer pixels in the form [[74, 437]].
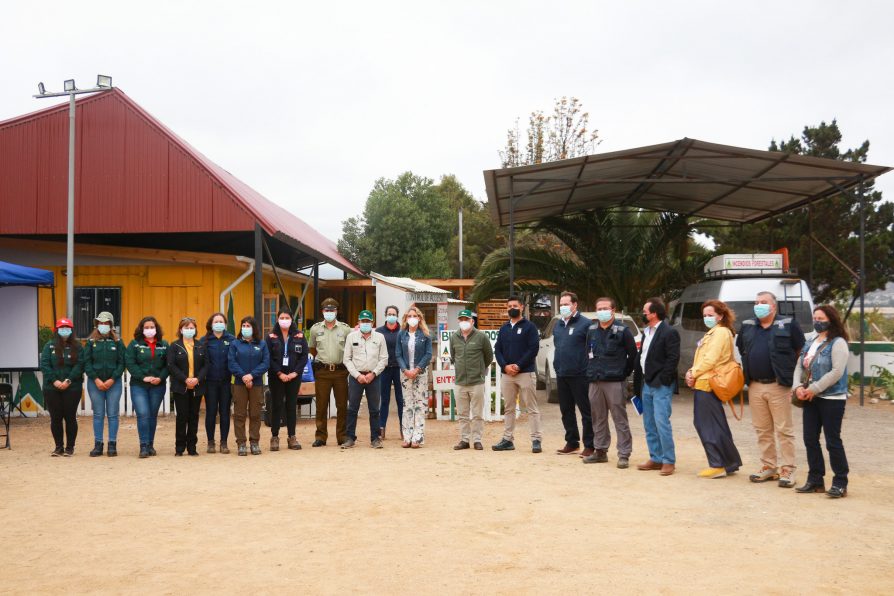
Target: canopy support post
[[259, 277]]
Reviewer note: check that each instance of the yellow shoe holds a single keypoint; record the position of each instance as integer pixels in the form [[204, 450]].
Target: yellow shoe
[[712, 473]]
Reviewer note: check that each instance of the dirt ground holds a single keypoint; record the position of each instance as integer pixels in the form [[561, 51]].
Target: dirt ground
[[437, 521]]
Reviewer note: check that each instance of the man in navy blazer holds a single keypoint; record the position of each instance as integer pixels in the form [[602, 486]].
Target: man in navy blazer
[[654, 379]]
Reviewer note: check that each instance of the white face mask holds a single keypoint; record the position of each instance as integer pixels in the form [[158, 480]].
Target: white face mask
[[465, 325], [412, 321], [150, 333], [329, 316]]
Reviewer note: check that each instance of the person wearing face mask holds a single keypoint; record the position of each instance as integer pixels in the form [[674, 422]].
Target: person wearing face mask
[[365, 358], [518, 342], [769, 345], [218, 394], [288, 355], [822, 366], [413, 352], [570, 362], [654, 380], [471, 355], [188, 367], [147, 362], [391, 375], [248, 360], [611, 354], [327, 345], [63, 371], [714, 349], [104, 364]]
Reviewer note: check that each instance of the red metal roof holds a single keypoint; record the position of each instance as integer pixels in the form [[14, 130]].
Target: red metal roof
[[132, 175]]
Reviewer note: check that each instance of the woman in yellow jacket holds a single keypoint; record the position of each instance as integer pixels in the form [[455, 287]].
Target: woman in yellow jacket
[[714, 349]]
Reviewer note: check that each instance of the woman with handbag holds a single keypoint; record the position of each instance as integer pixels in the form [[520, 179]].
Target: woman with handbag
[[715, 349], [823, 362]]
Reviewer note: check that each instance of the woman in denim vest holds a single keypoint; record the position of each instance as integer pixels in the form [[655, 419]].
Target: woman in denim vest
[[820, 382], [413, 353]]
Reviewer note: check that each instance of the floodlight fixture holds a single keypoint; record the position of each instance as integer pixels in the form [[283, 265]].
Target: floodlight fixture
[[70, 85], [41, 89], [104, 81]]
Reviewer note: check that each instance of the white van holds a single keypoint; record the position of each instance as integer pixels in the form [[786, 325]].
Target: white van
[[736, 280]]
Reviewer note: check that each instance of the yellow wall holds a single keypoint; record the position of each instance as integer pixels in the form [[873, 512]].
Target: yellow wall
[[169, 292]]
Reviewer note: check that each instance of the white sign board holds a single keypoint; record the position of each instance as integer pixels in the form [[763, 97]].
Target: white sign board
[[766, 263], [444, 380]]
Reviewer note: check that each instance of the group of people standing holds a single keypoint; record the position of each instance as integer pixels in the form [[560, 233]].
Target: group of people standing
[[592, 361]]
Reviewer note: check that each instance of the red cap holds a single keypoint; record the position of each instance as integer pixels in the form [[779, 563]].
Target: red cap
[[64, 323]]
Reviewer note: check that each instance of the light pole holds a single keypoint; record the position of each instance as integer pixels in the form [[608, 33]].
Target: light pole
[[103, 83]]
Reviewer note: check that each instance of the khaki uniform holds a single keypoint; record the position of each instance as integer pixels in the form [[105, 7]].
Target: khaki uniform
[[330, 376]]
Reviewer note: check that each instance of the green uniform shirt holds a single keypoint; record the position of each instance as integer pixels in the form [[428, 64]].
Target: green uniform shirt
[[329, 343], [471, 357], [49, 366], [104, 358]]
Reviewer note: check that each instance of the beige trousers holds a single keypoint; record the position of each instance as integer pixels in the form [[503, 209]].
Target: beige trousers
[[470, 398], [522, 386], [771, 415]]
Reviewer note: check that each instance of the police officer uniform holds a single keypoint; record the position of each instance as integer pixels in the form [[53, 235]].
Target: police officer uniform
[[330, 374]]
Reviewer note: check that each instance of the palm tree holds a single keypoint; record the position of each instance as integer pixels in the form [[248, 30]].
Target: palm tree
[[626, 255]]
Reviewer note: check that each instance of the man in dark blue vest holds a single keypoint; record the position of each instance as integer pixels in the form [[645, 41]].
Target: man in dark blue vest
[[769, 345], [570, 362], [611, 353]]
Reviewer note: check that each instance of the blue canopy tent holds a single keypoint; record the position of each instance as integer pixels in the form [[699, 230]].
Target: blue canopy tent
[[19, 275]]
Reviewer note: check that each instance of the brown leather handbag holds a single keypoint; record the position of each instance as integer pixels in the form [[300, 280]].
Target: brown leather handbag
[[727, 381]]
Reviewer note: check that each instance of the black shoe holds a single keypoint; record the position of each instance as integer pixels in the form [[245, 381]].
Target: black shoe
[[69, 451], [193, 452], [600, 456], [151, 449], [178, 454], [112, 451], [535, 447], [58, 451], [478, 446], [811, 487], [837, 492], [504, 445], [318, 443], [460, 446], [144, 450], [97, 449]]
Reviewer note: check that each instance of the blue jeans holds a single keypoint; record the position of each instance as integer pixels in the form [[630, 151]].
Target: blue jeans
[[146, 402], [656, 420], [390, 376], [355, 393], [218, 399], [105, 403]]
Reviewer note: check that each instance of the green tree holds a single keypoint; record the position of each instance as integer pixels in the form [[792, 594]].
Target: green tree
[[628, 256], [405, 229], [836, 224], [480, 234]]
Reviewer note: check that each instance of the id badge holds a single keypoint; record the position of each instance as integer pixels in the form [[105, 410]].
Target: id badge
[[285, 359]]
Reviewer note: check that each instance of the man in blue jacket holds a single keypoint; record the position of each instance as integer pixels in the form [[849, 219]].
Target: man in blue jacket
[[517, 344], [570, 362]]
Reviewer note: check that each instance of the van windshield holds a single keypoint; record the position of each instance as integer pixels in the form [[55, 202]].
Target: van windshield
[[744, 309]]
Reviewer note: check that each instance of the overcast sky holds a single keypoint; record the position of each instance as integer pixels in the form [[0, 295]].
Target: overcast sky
[[310, 103]]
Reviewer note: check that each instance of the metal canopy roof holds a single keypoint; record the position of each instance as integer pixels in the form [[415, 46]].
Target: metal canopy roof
[[688, 176]]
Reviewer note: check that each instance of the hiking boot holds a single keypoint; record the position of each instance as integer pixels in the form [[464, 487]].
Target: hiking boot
[[764, 474], [712, 473], [151, 449], [787, 477], [274, 443], [211, 448], [837, 492], [97, 449], [293, 443], [377, 444], [348, 444], [255, 449], [536, 447], [69, 451], [600, 456], [460, 446], [112, 451], [144, 450], [318, 443], [224, 448], [478, 446], [58, 451], [243, 450], [504, 445], [623, 463]]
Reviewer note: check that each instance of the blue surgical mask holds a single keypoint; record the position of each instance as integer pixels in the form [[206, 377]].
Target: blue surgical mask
[[218, 327], [104, 329], [761, 310], [64, 332], [247, 332], [188, 333], [604, 316], [329, 316], [565, 311], [365, 327], [710, 322], [391, 319]]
